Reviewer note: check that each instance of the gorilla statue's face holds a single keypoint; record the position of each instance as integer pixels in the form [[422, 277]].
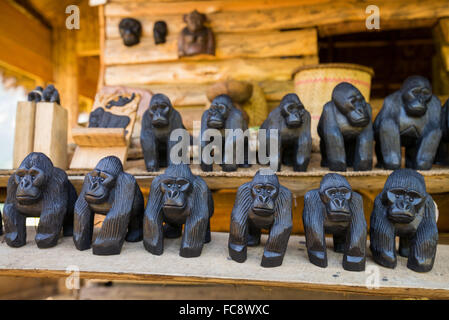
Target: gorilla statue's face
[[264, 197], [99, 185], [352, 104], [336, 199], [293, 112], [30, 182], [416, 95], [130, 31], [403, 204]]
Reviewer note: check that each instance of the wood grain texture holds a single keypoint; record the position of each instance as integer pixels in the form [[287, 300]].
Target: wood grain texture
[[283, 16], [50, 132], [206, 71], [228, 45], [24, 131], [99, 137], [25, 42], [213, 266]]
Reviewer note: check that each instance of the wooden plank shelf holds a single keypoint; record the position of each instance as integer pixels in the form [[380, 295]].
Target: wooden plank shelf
[[214, 266], [437, 179]]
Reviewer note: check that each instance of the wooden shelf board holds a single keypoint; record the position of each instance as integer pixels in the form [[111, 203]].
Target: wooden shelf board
[[214, 266]]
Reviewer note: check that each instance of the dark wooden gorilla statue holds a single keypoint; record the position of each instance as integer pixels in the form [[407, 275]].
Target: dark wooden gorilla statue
[[442, 156], [178, 198], [409, 117], [109, 191], [346, 131], [334, 208], [294, 139], [223, 115], [49, 94], [158, 122], [130, 30], [38, 189], [261, 204], [404, 209]]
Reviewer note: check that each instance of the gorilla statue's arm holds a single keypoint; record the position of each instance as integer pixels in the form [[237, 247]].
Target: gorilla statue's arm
[[431, 137], [334, 142], [234, 122], [54, 204], [83, 226], [280, 232], [387, 129], [382, 235], [113, 231], [15, 223], [149, 145], [153, 233], [313, 219], [424, 243], [204, 166], [197, 223], [364, 146], [354, 256], [304, 145], [238, 233]]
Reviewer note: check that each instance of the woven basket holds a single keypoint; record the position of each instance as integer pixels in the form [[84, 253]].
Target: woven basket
[[314, 85]]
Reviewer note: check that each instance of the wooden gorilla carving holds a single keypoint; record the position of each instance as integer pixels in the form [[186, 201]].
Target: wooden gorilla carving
[[261, 204], [409, 117], [38, 189], [346, 131], [223, 115], [334, 208], [159, 32], [130, 30], [196, 38], [442, 156], [404, 209], [294, 139], [178, 198], [158, 122], [109, 191], [49, 94]]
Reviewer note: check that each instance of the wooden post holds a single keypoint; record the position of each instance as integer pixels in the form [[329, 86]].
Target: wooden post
[[24, 132], [50, 133], [66, 72]]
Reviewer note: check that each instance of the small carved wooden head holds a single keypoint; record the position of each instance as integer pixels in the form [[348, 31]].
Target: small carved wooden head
[[130, 31]]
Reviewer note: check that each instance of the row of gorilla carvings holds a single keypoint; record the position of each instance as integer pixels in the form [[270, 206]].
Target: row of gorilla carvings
[[412, 118], [178, 197]]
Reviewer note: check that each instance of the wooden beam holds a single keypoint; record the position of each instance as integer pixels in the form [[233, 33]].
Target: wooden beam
[[359, 26], [206, 71], [228, 45], [25, 42], [87, 37], [135, 263], [293, 15]]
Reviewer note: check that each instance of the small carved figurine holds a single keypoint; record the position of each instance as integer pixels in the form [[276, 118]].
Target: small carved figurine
[[159, 32], [261, 204], [109, 191], [334, 208], [104, 119], [49, 94], [130, 31], [442, 156], [178, 198], [404, 209], [409, 117], [223, 115], [346, 131], [294, 139], [196, 38], [158, 122], [38, 189]]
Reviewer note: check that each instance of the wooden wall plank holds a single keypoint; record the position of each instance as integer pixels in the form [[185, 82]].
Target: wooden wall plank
[[228, 45], [285, 17], [206, 71], [25, 42]]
